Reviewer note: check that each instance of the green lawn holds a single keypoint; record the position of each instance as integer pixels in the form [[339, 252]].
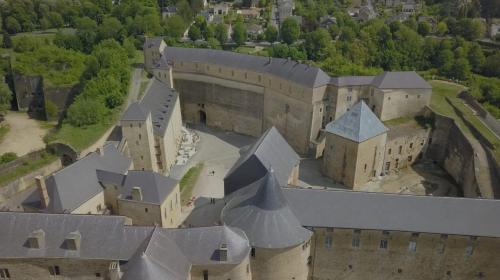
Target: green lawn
[[26, 168], [441, 90], [188, 182]]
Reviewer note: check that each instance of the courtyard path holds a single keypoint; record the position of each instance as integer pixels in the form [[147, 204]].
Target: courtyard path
[[25, 134]]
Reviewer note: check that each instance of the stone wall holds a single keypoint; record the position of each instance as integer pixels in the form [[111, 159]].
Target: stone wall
[[450, 148], [28, 269], [286, 263], [26, 181], [141, 213], [335, 256], [61, 96], [404, 146], [399, 103], [223, 271]]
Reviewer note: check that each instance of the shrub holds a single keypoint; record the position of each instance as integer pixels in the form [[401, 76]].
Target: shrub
[[86, 112], [7, 157], [51, 110]]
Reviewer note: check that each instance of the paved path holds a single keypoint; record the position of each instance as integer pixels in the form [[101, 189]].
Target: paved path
[[24, 136]]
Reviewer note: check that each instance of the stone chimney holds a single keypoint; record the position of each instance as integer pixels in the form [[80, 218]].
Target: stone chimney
[[73, 241], [42, 191], [36, 240], [137, 193], [223, 252]]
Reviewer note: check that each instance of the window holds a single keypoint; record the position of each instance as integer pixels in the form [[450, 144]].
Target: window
[[389, 98], [54, 270], [384, 241], [400, 149], [356, 238], [140, 136], [246, 75], [232, 73], [366, 166], [97, 274], [320, 110], [411, 145], [4, 273], [99, 208], [418, 96], [165, 213], [412, 245], [113, 265], [470, 247], [410, 158], [131, 125], [407, 96], [146, 210], [205, 274], [142, 157], [442, 244], [208, 68], [349, 98], [397, 162], [252, 253], [390, 151], [171, 205], [387, 165], [328, 241]]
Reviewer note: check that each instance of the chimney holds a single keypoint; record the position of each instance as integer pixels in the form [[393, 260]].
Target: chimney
[[223, 252], [42, 191], [100, 151], [73, 241], [36, 240], [137, 193]]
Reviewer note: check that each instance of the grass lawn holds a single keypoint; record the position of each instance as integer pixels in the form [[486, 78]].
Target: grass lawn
[[188, 182], [26, 168], [440, 91], [4, 129], [139, 57]]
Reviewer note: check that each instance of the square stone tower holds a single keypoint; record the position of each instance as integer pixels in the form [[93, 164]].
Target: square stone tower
[[354, 147]]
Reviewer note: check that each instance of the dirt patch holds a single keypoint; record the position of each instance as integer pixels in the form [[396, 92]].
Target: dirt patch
[[25, 134]]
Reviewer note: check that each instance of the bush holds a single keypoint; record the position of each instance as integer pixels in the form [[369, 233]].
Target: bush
[[51, 110], [7, 157], [86, 112]]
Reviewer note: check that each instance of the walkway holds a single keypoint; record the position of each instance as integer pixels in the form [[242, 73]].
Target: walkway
[[25, 134]]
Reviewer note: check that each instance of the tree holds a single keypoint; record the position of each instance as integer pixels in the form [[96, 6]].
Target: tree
[[129, 46], [491, 67], [110, 28], [239, 33], [86, 30], [460, 69], [290, 31], [55, 19], [197, 6], [184, 11], [271, 33], [472, 29], [7, 41], [424, 28], [476, 57], [12, 25], [316, 43], [175, 26], [5, 98], [85, 112], [194, 32], [442, 28], [221, 33], [213, 43]]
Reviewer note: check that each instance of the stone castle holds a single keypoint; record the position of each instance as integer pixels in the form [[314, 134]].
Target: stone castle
[[264, 227]]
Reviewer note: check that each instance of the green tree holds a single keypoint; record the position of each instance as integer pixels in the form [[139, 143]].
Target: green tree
[[239, 33], [85, 112], [86, 30], [491, 67], [460, 69], [476, 57], [50, 110], [290, 31], [194, 32], [271, 33], [316, 43], [442, 28], [175, 26], [184, 11], [424, 28], [110, 28], [55, 19], [5, 98], [129, 46], [196, 6], [7, 41], [472, 29], [12, 25], [213, 43], [221, 33]]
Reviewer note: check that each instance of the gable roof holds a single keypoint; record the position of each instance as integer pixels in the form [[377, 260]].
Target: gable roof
[[352, 80], [303, 74], [270, 150], [396, 80], [75, 184], [160, 100], [262, 212], [358, 124], [154, 186], [102, 237], [380, 211], [152, 42]]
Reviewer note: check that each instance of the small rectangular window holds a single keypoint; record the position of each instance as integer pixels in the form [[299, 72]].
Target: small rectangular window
[[54, 270], [390, 151], [252, 253], [328, 241], [356, 238], [383, 244], [411, 145], [205, 274], [412, 246]]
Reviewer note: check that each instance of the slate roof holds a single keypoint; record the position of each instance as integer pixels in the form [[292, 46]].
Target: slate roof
[[358, 124], [160, 100], [379, 211], [396, 80], [73, 185], [303, 74], [152, 42], [158, 258], [270, 150], [154, 186], [102, 237], [200, 245], [135, 112], [262, 212], [352, 81]]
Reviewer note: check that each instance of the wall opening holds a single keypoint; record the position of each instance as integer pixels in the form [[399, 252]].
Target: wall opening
[[203, 117]]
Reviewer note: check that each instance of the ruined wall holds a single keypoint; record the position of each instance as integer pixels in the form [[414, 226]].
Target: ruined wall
[[61, 96], [451, 149], [28, 269], [404, 147], [286, 263], [29, 93], [435, 256]]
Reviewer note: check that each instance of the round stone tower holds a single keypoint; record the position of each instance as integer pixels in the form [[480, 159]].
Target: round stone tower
[[280, 245]]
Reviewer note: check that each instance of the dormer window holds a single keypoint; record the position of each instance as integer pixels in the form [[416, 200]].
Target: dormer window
[[36, 239], [73, 241]]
